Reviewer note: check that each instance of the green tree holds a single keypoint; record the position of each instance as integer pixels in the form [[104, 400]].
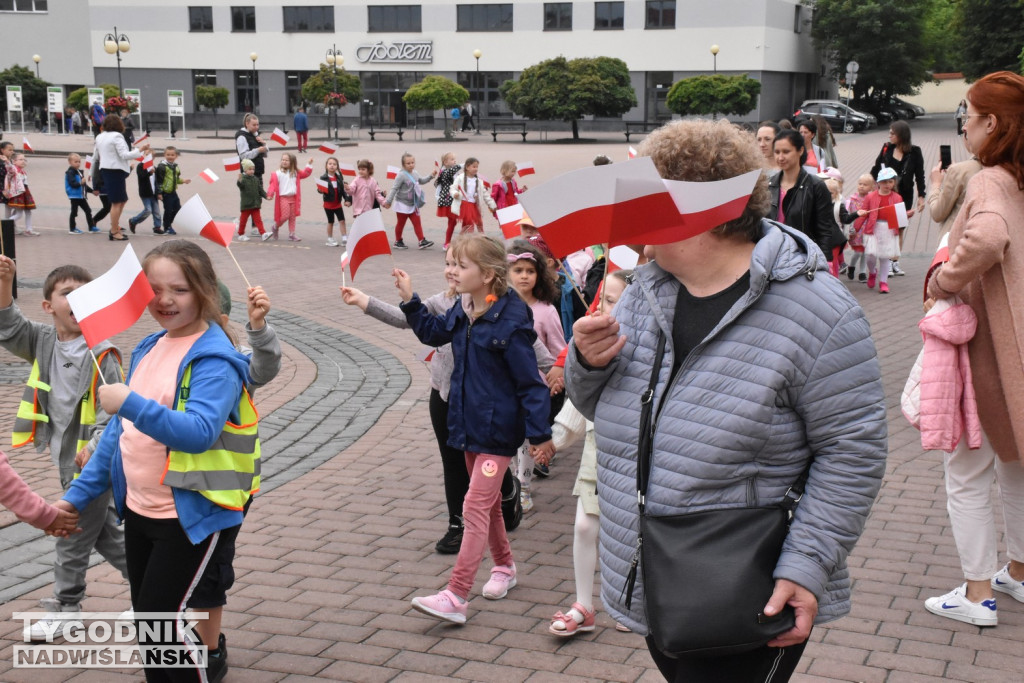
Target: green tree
[[321, 84], [436, 92], [33, 90], [886, 37], [79, 99], [212, 97], [990, 34], [566, 90], [943, 50], [715, 94]]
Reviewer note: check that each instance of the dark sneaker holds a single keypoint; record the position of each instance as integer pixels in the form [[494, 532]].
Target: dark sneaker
[[75, 231], [451, 541], [425, 244], [541, 471], [158, 231], [512, 507], [400, 244], [217, 661], [169, 231], [863, 277], [131, 225], [93, 228], [851, 273]]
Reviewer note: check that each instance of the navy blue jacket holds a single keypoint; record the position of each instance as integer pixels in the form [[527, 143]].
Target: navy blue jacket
[[497, 398]]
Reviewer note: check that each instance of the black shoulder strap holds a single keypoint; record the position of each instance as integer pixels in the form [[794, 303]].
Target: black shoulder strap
[[645, 443]]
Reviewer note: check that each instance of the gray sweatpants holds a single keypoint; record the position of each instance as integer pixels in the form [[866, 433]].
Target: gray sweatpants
[[100, 530]]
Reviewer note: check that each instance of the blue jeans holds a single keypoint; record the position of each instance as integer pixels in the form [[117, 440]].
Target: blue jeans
[[152, 208]]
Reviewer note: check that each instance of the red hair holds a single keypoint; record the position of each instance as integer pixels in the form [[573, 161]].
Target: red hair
[[1001, 95]]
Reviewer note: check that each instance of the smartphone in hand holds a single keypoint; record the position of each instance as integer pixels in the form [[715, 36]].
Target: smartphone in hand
[[945, 156]]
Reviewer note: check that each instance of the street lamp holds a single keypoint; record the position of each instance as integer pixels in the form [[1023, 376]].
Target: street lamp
[[714, 54], [37, 59], [479, 114], [252, 82], [334, 59], [114, 44]]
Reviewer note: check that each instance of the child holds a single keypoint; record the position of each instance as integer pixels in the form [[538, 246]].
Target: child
[[881, 242], [168, 178], [30, 507], [491, 410], [533, 280], [444, 198], [251, 196], [855, 202], [334, 194], [184, 396], [286, 192], [150, 204], [77, 191], [842, 217], [569, 426], [6, 152], [504, 193], [59, 410], [19, 197], [570, 303], [469, 197], [365, 192], [407, 196]]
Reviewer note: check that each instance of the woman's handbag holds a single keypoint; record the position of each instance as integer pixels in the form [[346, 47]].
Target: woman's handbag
[[707, 575]]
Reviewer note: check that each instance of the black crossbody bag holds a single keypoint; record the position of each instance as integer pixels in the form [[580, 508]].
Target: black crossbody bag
[[707, 575]]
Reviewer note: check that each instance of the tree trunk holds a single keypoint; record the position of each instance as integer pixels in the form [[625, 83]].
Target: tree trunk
[[216, 128], [575, 129]]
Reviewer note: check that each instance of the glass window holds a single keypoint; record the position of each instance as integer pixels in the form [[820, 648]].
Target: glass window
[[484, 18], [247, 91], [557, 16], [658, 85], [293, 87], [483, 92], [661, 13], [309, 19], [243, 19], [394, 18], [608, 16], [200, 19], [202, 77], [23, 5]]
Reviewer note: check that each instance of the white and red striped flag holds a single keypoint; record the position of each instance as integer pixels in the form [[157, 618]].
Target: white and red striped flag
[[26, 145], [209, 176], [138, 140], [437, 166], [393, 172], [195, 220], [279, 136], [147, 162], [485, 181], [426, 354], [508, 220], [328, 148], [895, 214], [232, 164], [348, 170], [621, 257], [524, 168], [88, 162], [323, 185], [630, 153], [367, 237], [111, 303]]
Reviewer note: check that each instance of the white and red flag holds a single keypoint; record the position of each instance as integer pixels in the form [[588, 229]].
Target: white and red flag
[[147, 162], [426, 354], [393, 172], [524, 168], [323, 185], [195, 220], [895, 214], [621, 257], [112, 303], [209, 176], [279, 136], [367, 237], [26, 145], [348, 170], [485, 181], [437, 166], [508, 219], [232, 164], [328, 148], [88, 162], [631, 153], [138, 140]]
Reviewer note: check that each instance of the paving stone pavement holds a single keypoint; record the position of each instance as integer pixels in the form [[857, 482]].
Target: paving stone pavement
[[342, 536]]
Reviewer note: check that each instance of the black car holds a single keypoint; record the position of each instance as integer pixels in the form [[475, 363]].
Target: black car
[[884, 110], [839, 116]]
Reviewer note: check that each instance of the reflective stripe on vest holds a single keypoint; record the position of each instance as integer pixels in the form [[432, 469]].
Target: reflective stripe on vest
[[28, 410], [87, 416], [229, 471]]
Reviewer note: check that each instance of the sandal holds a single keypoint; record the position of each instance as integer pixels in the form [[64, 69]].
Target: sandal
[[565, 625]]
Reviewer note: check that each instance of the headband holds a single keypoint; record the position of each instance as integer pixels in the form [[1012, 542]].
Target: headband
[[512, 258]]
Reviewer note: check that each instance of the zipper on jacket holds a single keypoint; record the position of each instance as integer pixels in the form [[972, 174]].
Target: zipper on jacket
[[627, 588]]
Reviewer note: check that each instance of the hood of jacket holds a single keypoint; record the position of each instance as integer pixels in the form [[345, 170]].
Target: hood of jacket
[[956, 324]]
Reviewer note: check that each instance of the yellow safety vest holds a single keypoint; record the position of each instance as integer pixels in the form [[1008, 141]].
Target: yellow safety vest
[[229, 471]]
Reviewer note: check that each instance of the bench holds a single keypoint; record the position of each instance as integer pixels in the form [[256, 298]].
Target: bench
[[641, 127], [515, 127], [378, 128]]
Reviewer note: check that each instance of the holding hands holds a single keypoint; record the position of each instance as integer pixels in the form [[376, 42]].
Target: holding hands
[[66, 522], [543, 453]]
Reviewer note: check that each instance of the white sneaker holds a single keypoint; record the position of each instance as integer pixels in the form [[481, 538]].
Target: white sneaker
[[331, 242], [254, 232], [56, 624], [344, 239], [243, 238], [955, 605], [266, 236], [1004, 583]]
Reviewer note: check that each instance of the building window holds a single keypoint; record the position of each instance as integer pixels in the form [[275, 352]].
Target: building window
[[394, 19], [247, 91], [661, 13], [484, 18], [243, 19], [483, 92], [557, 16], [23, 5], [202, 77], [309, 19], [608, 16], [658, 85], [797, 18], [200, 19], [293, 87]]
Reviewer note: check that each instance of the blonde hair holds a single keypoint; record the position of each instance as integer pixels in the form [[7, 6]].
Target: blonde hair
[[507, 168], [293, 163], [198, 270], [446, 155], [487, 253], [833, 187], [72, 157]]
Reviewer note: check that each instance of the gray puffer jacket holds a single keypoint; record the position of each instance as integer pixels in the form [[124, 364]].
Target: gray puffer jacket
[[789, 374]]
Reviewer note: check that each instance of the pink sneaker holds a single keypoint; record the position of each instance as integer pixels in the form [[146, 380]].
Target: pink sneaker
[[871, 280], [502, 578], [883, 288], [294, 238], [445, 605]]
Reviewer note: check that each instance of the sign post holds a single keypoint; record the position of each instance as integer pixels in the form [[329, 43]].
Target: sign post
[[55, 105], [135, 95], [175, 108], [14, 104], [851, 80]]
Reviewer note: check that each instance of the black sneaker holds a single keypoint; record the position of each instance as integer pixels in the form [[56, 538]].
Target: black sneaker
[[512, 507], [541, 471], [451, 541], [158, 231], [863, 277], [851, 273], [425, 243], [131, 225], [217, 661], [400, 244]]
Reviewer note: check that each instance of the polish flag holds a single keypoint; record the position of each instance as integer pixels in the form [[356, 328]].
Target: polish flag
[[328, 148], [631, 153], [426, 354], [232, 164], [485, 181], [508, 219], [347, 170], [279, 136], [393, 172], [209, 176], [323, 185], [138, 140], [147, 162], [88, 162], [195, 220], [25, 145], [111, 303], [895, 214], [524, 168], [622, 257], [367, 237]]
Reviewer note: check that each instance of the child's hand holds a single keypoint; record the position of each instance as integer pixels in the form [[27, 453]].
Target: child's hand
[[186, 181], [8, 269], [387, 205], [543, 453], [348, 203], [270, 195], [523, 189], [310, 162], [862, 212], [112, 396], [556, 379], [354, 297], [82, 456], [259, 306], [403, 283], [65, 523], [910, 214]]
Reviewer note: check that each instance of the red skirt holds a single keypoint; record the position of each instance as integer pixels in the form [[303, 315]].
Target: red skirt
[[444, 212], [470, 214], [22, 201]]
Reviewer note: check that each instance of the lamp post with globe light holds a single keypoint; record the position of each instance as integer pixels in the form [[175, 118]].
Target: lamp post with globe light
[[114, 44], [334, 59], [252, 82], [37, 59], [479, 114]]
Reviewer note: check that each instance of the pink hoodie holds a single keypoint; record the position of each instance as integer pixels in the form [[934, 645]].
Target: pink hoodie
[[16, 496]]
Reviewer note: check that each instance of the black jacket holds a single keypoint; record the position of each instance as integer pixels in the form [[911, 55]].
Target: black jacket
[[910, 169], [145, 188], [336, 190], [807, 207]]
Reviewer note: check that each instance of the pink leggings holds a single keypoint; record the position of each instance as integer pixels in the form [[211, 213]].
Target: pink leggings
[[288, 207], [416, 225]]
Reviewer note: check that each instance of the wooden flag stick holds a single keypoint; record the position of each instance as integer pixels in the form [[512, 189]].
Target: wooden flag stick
[[604, 280], [239, 268], [97, 364], [343, 276], [568, 276]]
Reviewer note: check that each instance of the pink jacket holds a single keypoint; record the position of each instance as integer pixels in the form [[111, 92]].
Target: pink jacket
[[364, 191], [273, 192], [16, 496], [948, 405]]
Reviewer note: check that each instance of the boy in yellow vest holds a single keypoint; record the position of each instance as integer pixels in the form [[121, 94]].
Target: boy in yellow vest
[[59, 409]]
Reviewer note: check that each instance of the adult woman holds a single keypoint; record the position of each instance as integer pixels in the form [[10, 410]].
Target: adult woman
[[986, 270], [826, 140], [766, 132], [798, 198], [815, 162], [947, 189], [744, 403], [112, 155], [908, 162], [961, 109]]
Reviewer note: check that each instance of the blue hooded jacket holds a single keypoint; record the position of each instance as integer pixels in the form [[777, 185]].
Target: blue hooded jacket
[[218, 373]]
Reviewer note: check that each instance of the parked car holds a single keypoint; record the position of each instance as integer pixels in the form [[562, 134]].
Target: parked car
[[914, 109], [838, 115], [885, 111]]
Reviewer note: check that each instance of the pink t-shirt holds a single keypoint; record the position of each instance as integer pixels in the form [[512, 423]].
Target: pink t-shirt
[[548, 326], [145, 458]]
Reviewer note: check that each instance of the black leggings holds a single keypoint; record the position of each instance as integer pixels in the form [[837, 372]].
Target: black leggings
[[763, 665], [102, 213], [83, 204], [163, 570]]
